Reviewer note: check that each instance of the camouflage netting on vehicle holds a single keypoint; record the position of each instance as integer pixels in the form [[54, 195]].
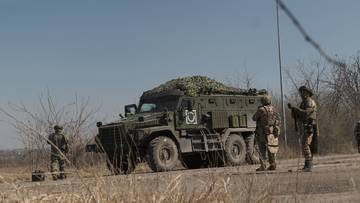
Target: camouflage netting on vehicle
[[196, 85]]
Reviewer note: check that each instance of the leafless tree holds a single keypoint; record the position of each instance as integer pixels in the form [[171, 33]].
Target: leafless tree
[[337, 92], [344, 83], [243, 80], [311, 75], [34, 124]]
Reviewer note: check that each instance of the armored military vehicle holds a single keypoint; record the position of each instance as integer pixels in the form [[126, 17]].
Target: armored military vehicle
[[206, 129]]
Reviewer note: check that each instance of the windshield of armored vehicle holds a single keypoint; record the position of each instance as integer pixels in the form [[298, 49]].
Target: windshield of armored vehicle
[[158, 105]]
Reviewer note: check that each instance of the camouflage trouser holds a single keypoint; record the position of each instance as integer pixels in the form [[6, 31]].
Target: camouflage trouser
[[250, 141], [264, 152], [306, 139], [57, 163]]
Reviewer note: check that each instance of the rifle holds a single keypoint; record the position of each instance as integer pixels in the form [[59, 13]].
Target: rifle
[[293, 114]]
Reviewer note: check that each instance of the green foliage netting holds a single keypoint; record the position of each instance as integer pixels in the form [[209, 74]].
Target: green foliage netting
[[196, 85]]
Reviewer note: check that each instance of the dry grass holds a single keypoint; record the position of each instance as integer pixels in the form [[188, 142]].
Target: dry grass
[[160, 188], [233, 184], [14, 174]]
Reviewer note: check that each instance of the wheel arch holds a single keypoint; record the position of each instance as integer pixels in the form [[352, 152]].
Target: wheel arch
[[240, 131], [166, 133]]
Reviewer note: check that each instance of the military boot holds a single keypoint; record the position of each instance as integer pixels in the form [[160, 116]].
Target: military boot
[[272, 167], [62, 176], [308, 166], [306, 163], [54, 177], [261, 168]]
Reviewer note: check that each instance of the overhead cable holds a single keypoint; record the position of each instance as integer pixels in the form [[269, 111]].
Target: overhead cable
[[307, 36]]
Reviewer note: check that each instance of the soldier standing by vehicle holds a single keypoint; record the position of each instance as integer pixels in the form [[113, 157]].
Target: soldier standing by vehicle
[[305, 115], [357, 134], [267, 133], [59, 147]]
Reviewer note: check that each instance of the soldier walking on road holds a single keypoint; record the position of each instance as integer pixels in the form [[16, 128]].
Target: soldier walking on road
[[59, 147], [305, 116], [267, 133], [357, 134]]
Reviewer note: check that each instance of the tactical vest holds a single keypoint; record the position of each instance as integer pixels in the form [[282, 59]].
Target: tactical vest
[[270, 116], [57, 140], [267, 121], [309, 103]]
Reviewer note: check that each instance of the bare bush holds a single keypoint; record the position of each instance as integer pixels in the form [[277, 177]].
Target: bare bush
[[344, 83], [33, 125], [243, 80], [336, 91]]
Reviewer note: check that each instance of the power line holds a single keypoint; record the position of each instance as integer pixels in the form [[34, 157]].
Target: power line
[[306, 36]]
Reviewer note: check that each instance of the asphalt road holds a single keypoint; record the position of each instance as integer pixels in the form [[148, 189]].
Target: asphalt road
[[334, 179]]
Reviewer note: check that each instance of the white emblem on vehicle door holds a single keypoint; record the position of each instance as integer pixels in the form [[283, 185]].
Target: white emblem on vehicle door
[[191, 117]]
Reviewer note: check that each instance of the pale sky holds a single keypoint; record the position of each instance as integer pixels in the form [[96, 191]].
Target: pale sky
[[111, 51]]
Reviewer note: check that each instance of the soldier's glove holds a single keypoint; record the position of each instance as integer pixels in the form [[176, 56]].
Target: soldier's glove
[[290, 106], [65, 150], [276, 131]]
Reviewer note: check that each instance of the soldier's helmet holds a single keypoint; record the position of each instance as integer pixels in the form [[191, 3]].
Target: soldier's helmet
[[266, 100], [57, 127], [305, 89]]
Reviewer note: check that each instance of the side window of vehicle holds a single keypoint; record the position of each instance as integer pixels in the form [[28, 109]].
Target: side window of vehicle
[[186, 104], [232, 101], [212, 103], [251, 102]]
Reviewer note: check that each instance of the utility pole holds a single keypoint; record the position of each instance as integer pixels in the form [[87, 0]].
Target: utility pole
[[281, 76]]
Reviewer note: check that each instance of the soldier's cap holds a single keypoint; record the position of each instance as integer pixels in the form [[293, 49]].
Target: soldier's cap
[[305, 89], [57, 127]]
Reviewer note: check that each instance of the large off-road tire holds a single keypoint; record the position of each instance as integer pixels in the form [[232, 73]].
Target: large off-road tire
[[193, 161], [235, 150], [162, 154]]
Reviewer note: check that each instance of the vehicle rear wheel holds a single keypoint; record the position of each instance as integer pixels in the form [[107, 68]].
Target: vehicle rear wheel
[[235, 150], [162, 154]]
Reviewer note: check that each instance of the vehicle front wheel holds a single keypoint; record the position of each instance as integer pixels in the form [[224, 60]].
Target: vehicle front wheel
[[235, 150], [162, 154]]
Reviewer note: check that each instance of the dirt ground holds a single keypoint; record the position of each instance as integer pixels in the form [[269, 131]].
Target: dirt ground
[[334, 178]]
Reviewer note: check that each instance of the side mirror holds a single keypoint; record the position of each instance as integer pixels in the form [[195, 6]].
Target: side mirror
[[130, 110]]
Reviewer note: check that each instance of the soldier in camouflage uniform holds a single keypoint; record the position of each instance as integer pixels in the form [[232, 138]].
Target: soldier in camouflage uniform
[[267, 132], [357, 134], [59, 147], [305, 115]]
